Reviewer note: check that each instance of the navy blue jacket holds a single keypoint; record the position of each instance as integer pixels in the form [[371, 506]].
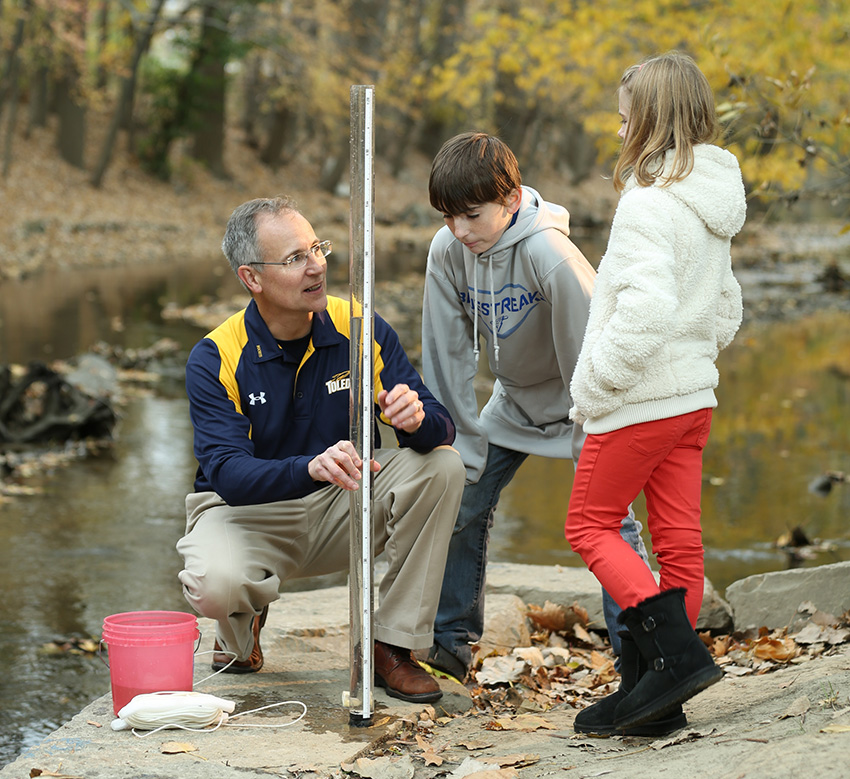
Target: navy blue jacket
[[260, 416]]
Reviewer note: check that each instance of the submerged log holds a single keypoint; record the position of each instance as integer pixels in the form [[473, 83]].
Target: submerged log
[[44, 406]]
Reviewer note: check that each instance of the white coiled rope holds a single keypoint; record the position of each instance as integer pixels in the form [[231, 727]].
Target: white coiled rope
[[195, 711]]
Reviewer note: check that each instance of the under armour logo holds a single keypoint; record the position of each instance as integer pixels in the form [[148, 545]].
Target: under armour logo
[[254, 398]]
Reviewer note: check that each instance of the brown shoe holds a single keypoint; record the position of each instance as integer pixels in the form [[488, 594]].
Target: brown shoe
[[226, 664], [402, 677]]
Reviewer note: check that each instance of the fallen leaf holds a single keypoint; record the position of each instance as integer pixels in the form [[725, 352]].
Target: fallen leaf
[[531, 654], [810, 634], [524, 722], [475, 769], [381, 768], [835, 729], [470, 745], [500, 670], [550, 617], [517, 760], [560, 655], [177, 747], [683, 737], [797, 709], [833, 635], [822, 618], [428, 753], [93, 723], [581, 634], [599, 660], [720, 646], [778, 650]]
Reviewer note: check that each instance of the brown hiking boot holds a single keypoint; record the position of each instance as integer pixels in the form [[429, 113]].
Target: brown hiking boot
[[402, 677], [226, 664]]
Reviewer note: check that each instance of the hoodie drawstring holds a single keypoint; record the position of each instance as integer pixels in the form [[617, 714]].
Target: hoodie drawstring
[[493, 313], [475, 350]]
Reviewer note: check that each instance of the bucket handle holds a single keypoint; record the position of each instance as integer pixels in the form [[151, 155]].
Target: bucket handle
[[100, 653], [100, 647]]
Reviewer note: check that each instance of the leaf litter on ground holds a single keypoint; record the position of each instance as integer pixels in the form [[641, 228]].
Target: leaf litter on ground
[[570, 665]]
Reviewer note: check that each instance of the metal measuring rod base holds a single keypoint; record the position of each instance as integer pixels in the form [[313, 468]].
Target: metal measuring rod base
[[356, 719]]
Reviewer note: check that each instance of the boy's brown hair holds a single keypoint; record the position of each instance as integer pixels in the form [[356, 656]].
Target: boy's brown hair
[[472, 169]]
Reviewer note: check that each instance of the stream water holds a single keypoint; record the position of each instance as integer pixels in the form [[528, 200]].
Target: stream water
[[100, 538]]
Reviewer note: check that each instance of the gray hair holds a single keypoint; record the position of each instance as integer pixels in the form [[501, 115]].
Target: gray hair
[[240, 244]]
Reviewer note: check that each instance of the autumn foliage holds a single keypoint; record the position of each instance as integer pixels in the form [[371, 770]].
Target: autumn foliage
[[542, 74]]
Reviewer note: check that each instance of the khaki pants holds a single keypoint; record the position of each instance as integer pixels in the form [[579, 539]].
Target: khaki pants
[[236, 557]]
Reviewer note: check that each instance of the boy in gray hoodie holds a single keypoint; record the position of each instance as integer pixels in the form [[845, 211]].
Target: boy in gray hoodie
[[504, 268]]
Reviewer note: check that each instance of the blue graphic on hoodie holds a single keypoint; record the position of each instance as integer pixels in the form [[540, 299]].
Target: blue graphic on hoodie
[[513, 303]]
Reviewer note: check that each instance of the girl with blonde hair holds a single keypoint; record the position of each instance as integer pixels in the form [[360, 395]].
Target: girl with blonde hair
[[665, 303]]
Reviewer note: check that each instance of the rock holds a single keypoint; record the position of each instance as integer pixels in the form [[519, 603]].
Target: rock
[[505, 625], [771, 599], [558, 584], [715, 614], [564, 586], [93, 376]]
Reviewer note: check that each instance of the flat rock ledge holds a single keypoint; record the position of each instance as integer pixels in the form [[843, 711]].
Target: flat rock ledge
[[768, 600]]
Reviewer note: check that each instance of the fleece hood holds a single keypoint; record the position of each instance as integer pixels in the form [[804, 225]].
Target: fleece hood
[[534, 215], [713, 190]]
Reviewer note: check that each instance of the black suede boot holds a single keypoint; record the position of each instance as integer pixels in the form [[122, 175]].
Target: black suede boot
[[678, 664], [599, 718]]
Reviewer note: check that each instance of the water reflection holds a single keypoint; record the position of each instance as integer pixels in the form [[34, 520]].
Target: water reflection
[[782, 420], [62, 313], [101, 539]]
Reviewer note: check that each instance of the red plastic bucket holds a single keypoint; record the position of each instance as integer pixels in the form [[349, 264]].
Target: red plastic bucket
[[149, 651]]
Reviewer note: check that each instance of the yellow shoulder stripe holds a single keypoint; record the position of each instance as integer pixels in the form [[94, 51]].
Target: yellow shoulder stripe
[[230, 337]]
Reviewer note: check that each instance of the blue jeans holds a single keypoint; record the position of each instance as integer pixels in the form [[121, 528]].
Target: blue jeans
[[460, 615]]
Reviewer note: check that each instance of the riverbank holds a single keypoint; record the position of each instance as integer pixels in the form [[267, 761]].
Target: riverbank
[[55, 219], [782, 708]]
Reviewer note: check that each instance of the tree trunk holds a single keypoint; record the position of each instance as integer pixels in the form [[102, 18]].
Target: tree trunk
[[336, 163], [128, 86], [435, 130], [251, 101], [13, 115], [578, 151], [38, 99], [103, 40], [9, 75], [71, 130], [209, 80], [400, 136], [282, 127]]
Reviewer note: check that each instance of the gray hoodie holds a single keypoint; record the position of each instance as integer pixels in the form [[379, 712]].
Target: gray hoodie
[[532, 293], [666, 301]]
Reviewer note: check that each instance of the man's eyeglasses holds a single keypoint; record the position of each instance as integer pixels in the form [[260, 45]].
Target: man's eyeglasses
[[299, 260]]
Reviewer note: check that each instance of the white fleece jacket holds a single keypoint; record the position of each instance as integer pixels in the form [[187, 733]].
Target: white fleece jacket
[[665, 301]]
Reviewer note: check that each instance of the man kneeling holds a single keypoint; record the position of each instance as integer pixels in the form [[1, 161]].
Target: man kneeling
[[269, 402]]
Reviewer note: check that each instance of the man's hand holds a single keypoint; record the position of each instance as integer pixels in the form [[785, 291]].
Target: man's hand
[[401, 405], [340, 465]]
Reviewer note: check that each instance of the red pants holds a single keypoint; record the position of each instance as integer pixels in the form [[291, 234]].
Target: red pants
[[664, 459]]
